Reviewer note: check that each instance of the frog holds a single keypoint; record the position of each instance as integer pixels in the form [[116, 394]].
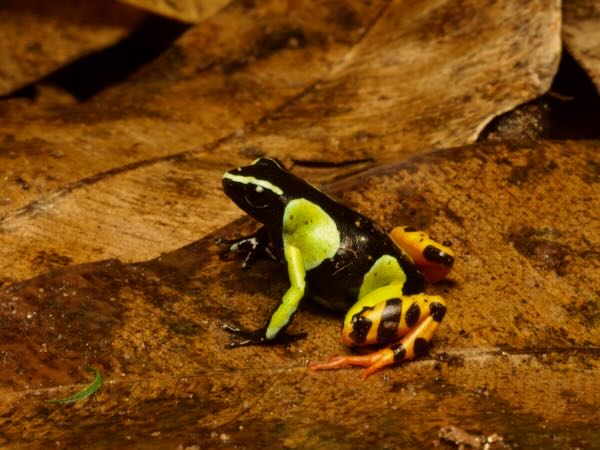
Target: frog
[[342, 260]]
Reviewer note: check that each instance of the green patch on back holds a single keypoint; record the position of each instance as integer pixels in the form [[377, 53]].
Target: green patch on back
[[309, 228], [385, 271]]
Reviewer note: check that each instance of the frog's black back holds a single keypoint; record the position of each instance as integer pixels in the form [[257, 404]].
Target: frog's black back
[[336, 281]]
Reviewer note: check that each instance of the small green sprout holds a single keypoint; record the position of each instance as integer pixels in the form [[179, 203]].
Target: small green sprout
[[86, 392]]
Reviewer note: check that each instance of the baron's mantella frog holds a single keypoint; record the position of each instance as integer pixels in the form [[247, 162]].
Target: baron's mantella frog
[[342, 260]]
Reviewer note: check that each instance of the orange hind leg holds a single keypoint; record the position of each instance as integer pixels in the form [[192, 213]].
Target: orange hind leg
[[407, 324]]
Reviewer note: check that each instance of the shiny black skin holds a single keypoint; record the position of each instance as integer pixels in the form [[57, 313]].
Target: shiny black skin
[[336, 281]]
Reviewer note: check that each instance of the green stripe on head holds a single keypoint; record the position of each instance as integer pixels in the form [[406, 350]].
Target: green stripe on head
[[253, 180]]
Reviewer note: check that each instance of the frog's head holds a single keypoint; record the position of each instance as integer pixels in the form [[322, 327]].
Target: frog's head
[[258, 189]]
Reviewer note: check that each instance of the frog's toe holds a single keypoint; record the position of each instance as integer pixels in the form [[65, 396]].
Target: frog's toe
[[258, 337], [372, 361], [225, 245], [245, 337], [250, 247], [230, 245]]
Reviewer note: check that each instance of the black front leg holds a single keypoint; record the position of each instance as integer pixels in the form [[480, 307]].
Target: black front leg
[[258, 337], [254, 246]]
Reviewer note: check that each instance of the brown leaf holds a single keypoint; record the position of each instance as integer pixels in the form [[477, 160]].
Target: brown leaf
[[191, 11], [581, 33], [515, 359], [38, 37], [332, 88]]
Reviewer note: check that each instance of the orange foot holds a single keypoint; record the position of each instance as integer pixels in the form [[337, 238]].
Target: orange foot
[[373, 362]]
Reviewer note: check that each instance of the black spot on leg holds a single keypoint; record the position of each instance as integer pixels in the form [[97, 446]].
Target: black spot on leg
[[437, 311], [399, 352], [412, 315], [360, 326], [421, 346], [432, 253], [390, 318]]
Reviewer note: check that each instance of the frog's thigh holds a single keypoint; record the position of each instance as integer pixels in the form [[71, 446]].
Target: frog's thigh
[[385, 271], [408, 321], [433, 259], [384, 316]]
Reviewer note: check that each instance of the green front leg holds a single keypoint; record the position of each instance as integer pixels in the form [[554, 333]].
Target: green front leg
[[284, 312], [291, 299]]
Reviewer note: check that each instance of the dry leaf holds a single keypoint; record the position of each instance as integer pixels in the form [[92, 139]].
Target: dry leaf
[[38, 37], [190, 11], [332, 87], [581, 33]]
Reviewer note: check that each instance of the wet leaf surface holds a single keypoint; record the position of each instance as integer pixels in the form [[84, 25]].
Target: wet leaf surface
[[377, 82], [517, 354]]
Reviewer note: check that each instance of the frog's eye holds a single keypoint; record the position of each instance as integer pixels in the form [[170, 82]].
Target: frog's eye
[[256, 196]]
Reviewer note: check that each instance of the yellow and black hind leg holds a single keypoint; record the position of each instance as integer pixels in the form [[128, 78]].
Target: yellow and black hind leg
[[405, 323], [433, 259]]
